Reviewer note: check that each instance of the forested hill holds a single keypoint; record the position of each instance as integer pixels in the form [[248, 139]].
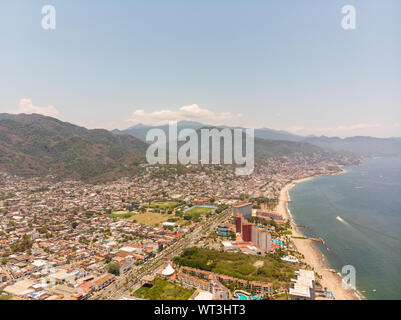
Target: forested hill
[[33, 145]]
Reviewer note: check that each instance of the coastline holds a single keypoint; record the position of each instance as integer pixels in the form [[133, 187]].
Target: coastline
[[312, 255]]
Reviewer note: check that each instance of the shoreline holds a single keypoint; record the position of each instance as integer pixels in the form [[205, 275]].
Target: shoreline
[[312, 255]]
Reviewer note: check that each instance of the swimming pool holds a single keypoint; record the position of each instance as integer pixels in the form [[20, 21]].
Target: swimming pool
[[243, 295]]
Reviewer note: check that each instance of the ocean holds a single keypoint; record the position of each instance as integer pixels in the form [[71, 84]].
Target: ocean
[[358, 214]]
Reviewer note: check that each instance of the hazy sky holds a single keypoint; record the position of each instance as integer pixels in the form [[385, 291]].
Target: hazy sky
[[271, 63]]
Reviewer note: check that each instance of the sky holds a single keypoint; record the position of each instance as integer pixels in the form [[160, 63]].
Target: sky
[[280, 64]]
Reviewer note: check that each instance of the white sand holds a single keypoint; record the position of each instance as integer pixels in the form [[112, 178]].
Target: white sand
[[312, 255]]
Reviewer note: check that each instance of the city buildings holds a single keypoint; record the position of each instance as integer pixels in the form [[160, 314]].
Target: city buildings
[[58, 237], [260, 237], [244, 209]]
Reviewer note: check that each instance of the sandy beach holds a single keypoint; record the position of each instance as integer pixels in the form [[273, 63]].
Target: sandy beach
[[312, 255]]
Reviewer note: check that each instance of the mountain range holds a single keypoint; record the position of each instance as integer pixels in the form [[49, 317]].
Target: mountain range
[[140, 130], [359, 146], [36, 145]]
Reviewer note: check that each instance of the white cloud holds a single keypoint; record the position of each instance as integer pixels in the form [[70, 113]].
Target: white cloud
[[192, 112], [26, 106]]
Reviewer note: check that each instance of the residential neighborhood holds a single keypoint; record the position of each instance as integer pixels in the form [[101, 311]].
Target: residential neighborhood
[[67, 240]]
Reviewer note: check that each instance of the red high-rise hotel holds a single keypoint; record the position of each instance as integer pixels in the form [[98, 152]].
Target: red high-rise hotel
[[249, 233]]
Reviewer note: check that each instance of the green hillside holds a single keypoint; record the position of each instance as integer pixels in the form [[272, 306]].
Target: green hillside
[[32, 145]]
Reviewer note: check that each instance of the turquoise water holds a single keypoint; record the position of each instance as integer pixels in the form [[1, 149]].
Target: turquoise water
[[368, 235], [242, 296]]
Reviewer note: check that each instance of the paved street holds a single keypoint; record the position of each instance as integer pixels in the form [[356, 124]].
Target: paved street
[[120, 288]]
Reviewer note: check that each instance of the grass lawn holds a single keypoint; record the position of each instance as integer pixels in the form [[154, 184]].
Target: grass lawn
[[163, 290], [121, 214], [150, 218], [198, 211], [195, 213], [164, 205]]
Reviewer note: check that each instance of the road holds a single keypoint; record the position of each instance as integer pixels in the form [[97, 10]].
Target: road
[[131, 279]]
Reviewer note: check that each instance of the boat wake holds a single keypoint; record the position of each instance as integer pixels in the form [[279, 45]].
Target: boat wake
[[342, 220], [357, 226]]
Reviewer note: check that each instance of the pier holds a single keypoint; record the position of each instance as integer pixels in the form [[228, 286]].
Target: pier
[[317, 240], [302, 226]]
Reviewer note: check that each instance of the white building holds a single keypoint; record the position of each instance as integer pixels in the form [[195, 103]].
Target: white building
[[303, 286], [169, 224], [168, 271], [291, 259], [129, 250]]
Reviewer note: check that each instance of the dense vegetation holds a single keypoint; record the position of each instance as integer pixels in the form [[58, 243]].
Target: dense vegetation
[[34, 145], [121, 215], [239, 265], [163, 290], [164, 205], [114, 268], [22, 245]]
